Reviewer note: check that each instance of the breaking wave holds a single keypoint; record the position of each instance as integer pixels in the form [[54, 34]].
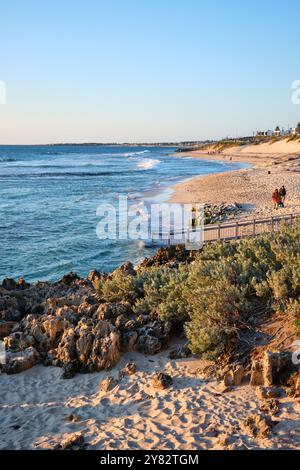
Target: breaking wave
[[148, 163]]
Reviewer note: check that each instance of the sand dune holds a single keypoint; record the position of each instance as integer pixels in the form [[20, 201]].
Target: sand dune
[[282, 147]]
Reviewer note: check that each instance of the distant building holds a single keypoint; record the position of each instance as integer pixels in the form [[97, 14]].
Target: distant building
[[264, 133], [277, 132]]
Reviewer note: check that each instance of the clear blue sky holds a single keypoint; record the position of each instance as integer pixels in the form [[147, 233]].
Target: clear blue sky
[[146, 70]]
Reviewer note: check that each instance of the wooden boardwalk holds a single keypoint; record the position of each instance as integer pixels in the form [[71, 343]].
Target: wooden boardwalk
[[233, 230]]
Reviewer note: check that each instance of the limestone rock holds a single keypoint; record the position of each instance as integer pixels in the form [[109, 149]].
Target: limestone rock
[[264, 393], [19, 341], [66, 351], [69, 279], [108, 384], [18, 362], [72, 442], [270, 406], [111, 311], [258, 426], [256, 378], [129, 369], [161, 381], [54, 327], [128, 269], [234, 376], [128, 341], [93, 276], [105, 352], [84, 346], [273, 369]]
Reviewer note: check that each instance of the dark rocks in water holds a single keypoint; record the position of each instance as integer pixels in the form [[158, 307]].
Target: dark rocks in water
[[168, 257], [9, 308], [69, 279], [9, 284], [265, 393], [18, 362], [161, 381]]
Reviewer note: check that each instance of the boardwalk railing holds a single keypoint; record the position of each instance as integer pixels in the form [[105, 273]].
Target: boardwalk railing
[[231, 230]]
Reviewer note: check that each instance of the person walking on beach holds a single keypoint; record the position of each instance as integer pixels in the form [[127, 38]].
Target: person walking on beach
[[282, 193], [194, 217], [275, 198]]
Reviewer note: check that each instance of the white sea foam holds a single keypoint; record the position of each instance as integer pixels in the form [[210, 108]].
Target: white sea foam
[[148, 163], [135, 154]]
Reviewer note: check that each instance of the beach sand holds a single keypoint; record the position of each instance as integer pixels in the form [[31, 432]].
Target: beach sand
[[272, 166], [191, 414]]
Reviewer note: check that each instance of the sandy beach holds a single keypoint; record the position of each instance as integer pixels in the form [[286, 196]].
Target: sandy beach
[[271, 167], [38, 409]]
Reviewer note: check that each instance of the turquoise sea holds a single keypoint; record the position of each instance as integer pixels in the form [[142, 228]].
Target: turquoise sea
[[49, 196]]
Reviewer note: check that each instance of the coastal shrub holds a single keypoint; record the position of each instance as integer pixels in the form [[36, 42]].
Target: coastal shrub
[[118, 287], [217, 301], [229, 283], [213, 296], [293, 310], [163, 294]]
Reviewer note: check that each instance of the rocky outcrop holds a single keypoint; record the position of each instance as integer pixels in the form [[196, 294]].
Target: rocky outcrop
[[18, 362], [69, 325], [259, 426], [274, 368], [214, 213]]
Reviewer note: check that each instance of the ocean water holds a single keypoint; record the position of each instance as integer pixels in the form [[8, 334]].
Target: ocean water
[[49, 196]]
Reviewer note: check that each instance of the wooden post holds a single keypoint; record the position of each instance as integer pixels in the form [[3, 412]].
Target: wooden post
[[272, 224], [254, 227], [219, 232], [237, 230]]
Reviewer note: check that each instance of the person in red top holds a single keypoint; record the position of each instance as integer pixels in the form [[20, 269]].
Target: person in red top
[[275, 198]]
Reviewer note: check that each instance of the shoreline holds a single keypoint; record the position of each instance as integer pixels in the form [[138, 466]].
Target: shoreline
[[249, 188]]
